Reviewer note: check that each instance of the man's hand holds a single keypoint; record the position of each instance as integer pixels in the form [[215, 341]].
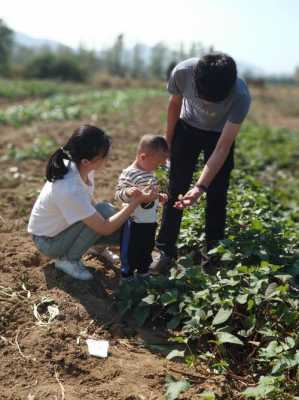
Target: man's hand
[[189, 198], [163, 198]]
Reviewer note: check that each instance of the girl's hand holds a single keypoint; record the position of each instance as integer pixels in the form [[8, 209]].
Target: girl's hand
[[188, 199], [163, 198]]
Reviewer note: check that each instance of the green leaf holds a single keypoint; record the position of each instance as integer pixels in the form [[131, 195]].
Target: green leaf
[[222, 315], [226, 337], [266, 385], [175, 353], [242, 298], [250, 304], [179, 339], [256, 224], [290, 342], [271, 289], [207, 395], [150, 299], [227, 256], [175, 388], [169, 297], [283, 277]]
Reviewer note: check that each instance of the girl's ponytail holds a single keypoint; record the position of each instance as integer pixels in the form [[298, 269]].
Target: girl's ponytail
[[87, 142], [56, 167]]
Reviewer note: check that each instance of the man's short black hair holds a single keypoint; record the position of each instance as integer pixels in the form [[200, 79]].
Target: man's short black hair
[[215, 75]]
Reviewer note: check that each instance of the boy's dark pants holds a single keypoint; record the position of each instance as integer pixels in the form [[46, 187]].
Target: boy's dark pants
[[188, 143], [136, 246]]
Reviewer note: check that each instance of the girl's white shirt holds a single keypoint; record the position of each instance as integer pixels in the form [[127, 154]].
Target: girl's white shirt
[[62, 203]]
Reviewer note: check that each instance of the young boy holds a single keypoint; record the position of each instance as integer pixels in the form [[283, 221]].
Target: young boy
[[138, 237]]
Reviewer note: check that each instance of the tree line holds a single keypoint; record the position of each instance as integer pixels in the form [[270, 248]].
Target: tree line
[[119, 60]]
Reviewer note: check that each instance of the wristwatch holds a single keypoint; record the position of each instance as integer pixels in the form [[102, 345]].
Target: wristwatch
[[202, 187]]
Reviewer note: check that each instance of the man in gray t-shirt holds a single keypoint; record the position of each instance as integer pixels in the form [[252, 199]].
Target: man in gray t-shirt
[[207, 106]]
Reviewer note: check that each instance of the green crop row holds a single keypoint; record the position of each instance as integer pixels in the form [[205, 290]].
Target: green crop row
[[65, 107], [22, 89], [242, 321]]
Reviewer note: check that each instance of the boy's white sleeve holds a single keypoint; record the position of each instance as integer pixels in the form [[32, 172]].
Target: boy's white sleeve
[[124, 183]]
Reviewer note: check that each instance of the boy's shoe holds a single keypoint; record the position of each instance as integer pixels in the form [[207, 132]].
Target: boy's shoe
[[161, 264], [105, 255], [75, 269]]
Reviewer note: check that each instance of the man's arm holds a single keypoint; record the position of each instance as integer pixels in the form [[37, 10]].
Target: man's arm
[[220, 153], [213, 165], [173, 114]]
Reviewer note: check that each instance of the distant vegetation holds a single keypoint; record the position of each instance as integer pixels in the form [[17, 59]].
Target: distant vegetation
[[81, 65], [139, 62], [24, 88]]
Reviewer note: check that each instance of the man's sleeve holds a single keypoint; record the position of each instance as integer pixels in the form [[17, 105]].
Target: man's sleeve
[[176, 82], [239, 109], [75, 206]]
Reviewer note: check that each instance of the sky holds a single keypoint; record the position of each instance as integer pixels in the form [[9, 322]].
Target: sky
[[262, 33]]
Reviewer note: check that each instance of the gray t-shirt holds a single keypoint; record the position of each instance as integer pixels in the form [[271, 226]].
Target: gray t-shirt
[[203, 114]]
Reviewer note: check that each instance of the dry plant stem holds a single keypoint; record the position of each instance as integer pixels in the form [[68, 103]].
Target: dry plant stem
[[60, 384], [3, 220], [240, 379], [18, 347]]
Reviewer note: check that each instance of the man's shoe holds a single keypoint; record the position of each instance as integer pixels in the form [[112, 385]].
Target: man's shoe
[[161, 264], [75, 269]]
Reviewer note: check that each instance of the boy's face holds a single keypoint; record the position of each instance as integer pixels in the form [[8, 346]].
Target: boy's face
[[152, 160]]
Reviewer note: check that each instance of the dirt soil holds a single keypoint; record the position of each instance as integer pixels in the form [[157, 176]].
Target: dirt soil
[[52, 361]]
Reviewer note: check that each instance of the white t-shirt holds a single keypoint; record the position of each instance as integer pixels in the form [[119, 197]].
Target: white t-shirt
[[62, 203]]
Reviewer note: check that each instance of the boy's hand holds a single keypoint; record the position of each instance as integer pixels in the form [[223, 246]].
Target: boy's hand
[[163, 198], [133, 191], [150, 194]]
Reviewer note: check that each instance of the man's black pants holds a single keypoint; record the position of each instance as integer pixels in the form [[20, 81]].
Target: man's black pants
[[188, 143]]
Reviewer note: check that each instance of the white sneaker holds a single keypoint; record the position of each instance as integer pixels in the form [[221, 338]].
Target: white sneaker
[[76, 269]]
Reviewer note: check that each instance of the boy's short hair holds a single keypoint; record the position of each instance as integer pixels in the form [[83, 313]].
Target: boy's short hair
[[215, 75], [152, 143]]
